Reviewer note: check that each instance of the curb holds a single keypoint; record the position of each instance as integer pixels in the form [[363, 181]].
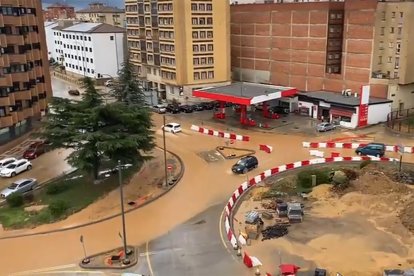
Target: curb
[[332, 145], [221, 134], [244, 187], [220, 148], [180, 175], [133, 263]]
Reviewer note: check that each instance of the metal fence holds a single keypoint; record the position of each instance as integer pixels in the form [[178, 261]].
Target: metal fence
[[401, 120]]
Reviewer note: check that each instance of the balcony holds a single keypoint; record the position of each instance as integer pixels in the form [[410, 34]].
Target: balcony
[[22, 95], [12, 20], [17, 58], [6, 121], [6, 80], [20, 76], [3, 39], [5, 101], [39, 71], [32, 37], [14, 40]]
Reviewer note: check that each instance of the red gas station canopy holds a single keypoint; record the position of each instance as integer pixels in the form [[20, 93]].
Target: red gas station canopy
[[245, 93]]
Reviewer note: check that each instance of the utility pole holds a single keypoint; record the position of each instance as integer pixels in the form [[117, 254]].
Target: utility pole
[[125, 260], [165, 153]]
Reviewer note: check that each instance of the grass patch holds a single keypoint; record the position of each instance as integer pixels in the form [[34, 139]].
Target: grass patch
[[78, 192]]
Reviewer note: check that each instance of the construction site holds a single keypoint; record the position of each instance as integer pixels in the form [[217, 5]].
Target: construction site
[[356, 219]]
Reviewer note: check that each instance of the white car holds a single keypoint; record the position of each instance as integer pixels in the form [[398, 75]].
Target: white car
[[6, 161], [15, 168], [172, 127]]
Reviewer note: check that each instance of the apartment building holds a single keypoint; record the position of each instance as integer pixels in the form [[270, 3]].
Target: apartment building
[[327, 45], [94, 50], [178, 46], [24, 75], [393, 53], [58, 11], [99, 13]]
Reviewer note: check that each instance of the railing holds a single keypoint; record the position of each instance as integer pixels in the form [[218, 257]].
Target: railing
[[401, 121]]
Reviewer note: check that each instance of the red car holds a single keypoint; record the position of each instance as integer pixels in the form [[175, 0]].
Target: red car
[[34, 150]]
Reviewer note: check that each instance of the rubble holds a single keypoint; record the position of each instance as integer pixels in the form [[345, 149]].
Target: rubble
[[275, 231], [404, 177]]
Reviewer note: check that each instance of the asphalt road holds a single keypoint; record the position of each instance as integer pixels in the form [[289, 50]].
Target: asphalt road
[[60, 88]]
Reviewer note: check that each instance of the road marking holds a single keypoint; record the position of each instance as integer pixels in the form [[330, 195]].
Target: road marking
[[28, 272], [148, 259], [221, 235]]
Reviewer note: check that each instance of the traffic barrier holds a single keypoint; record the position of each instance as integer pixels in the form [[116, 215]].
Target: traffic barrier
[[245, 186], [333, 145], [220, 134], [266, 148]]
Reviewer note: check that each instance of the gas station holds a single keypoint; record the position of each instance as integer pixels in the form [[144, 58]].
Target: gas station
[[245, 95]]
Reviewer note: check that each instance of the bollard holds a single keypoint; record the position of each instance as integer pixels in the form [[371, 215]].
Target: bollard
[[257, 271], [313, 180]]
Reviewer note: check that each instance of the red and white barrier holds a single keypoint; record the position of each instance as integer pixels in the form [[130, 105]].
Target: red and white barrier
[[266, 148], [221, 134], [271, 172], [334, 145]]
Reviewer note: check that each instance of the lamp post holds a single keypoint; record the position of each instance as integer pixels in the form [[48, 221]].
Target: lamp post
[[124, 238]]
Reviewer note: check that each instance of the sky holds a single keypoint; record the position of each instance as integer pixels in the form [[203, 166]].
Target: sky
[[80, 4]]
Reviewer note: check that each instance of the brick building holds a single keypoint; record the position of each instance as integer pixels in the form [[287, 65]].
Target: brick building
[[59, 11], [311, 45], [24, 68]]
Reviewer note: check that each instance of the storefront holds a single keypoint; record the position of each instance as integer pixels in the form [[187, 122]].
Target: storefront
[[342, 110]]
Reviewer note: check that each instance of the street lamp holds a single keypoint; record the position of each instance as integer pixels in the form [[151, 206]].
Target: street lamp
[[124, 239]]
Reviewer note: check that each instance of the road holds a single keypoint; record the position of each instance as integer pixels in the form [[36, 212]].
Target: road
[[60, 88], [204, 186]]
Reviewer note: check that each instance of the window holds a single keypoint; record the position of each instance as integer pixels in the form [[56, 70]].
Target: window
[[202, 34], [90, 50], [203, 61], [193, 7], [393, 15], [90, 39], [399, 30], [397, 63], [195, 61], [211, 74], [383, 15], [194, 21], [209, 7], [381, 45], [401, 14], [210, 60], [382, 31], [398, 47], [195, 34], [380, 60], [391, 45], [209, 34], [209, 21], [195, 48], [210, 47], [201, 7], [111, 37], [389, 59], [203, 75], [196, 75], [202, 21], [91, 60], [202, 48], [392, 30]]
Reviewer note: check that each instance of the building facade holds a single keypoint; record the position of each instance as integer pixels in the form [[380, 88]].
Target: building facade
[[58, 11], [178, 46], [393, 54], [94, 50], [24, 75], [99, 13]]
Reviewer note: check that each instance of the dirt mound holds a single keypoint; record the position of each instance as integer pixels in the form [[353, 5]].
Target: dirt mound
[[321, 192], [407, 217], [375, 182]]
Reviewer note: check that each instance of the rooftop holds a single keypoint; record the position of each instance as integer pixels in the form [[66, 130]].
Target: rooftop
[[338, 98], [88, 27]]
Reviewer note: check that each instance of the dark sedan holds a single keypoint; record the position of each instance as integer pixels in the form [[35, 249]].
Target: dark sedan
[[198, 107], [208, 105], [174, 109], [245, 164], [186, 108]]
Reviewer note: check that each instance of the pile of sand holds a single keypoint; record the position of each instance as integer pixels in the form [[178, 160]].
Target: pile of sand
[[321, 192], [407, 216], [375, 182]]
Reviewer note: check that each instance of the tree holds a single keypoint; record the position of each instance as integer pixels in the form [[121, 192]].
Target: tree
[[118, 131], [126, 87]]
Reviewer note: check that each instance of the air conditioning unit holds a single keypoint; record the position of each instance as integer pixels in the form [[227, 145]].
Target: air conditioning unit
[[348, 92]]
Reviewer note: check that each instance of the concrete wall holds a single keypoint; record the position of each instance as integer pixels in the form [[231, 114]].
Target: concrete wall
[[378, 113], [401, 94]]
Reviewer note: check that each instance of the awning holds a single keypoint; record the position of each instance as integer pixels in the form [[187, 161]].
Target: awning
[[341, 112]]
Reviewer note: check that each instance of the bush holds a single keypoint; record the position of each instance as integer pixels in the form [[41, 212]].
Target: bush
[[15, 200], [364, 163], [305, 177], [56, 188], [340, 178], [58, 207]]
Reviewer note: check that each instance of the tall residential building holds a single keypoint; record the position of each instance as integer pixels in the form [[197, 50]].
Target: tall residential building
[[59, 11], [327, 45], [393, 55], [179, 45], [24, 68], [99, 13]]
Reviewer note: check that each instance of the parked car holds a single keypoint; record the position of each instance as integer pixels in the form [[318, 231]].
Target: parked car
[[172, 127], [322, 127], [109, 83], [74, 92], [34, 150], [208, 105], [374, 149], [16, 167], [186, 108], [174, 109], [6, 161], [279, 110], [245, 164], [19, 186], [160, 109], [198, 107]]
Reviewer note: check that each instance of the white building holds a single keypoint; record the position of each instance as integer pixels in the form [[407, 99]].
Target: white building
[[50, 37], [95, 50]]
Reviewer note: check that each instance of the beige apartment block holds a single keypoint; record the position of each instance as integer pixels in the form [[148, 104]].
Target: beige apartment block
[[99, 13], [24, 67], [178, 45], [393, 55]]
